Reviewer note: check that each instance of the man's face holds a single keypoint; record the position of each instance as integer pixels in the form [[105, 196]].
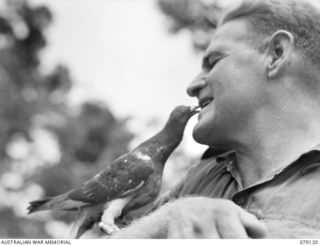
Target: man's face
[[231, 86]]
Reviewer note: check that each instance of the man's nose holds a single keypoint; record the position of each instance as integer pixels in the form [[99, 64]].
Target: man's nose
[[196, 85]]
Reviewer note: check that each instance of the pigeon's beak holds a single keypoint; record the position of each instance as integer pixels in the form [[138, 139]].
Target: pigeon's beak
[[194, 109]]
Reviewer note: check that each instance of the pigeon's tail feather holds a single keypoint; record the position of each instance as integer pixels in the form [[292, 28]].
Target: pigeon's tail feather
[[75, 230], [87, 217], [58, 202], [87, 224]]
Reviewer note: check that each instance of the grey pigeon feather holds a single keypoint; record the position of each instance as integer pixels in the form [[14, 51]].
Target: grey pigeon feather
[[129, 182]]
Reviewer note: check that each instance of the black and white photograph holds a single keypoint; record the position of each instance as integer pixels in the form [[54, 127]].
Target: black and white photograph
[[159, 119]]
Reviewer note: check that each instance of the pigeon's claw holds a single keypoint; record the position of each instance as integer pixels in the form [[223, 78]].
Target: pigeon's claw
[[114, 209], [108, 227], [107, 222]]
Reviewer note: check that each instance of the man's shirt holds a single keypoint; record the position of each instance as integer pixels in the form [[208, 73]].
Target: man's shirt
[[288, 202]]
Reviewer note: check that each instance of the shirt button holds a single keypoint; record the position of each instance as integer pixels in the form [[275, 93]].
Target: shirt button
[[258, 214], [228, 168], [240, 200]]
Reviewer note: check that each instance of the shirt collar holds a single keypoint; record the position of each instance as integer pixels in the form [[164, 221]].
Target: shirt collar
[[229, 158], [226, 158]]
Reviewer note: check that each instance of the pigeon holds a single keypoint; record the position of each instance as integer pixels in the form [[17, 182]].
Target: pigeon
[[131, 181]]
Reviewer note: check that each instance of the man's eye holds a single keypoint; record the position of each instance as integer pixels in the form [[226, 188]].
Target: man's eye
[[212, 61]]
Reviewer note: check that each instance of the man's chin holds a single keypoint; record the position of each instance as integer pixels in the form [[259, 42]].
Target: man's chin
[[211, 136], [200, 136]]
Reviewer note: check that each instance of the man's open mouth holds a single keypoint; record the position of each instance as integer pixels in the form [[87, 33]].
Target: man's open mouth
[[205, 102]]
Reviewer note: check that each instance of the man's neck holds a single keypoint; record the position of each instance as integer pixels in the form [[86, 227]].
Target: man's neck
[[273, 145]]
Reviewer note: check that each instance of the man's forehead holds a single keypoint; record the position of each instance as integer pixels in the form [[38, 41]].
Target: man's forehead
[[233, 31]]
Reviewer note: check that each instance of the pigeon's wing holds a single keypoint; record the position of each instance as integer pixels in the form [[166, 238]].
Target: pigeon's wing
[[120, 180]]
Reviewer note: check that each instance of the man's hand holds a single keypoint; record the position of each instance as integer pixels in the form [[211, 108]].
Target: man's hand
[[196, 217], [201, 217]]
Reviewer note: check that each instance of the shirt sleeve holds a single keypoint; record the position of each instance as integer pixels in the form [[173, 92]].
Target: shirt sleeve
[[285, 229]]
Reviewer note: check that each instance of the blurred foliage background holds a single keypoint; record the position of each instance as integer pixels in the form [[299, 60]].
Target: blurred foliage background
[[47, 146]]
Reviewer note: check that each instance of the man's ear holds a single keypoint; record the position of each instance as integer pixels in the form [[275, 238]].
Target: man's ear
[[279, 48]]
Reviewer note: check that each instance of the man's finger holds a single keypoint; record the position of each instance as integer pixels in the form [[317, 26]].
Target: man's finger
[[180, 226], [254, 228], [178, 230], [183, 225], [231, 227]]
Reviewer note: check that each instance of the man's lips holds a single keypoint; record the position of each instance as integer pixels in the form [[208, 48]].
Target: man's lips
[[194, 109], [203, 102]]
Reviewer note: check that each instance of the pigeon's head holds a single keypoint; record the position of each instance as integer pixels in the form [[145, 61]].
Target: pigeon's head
[[180, 115]]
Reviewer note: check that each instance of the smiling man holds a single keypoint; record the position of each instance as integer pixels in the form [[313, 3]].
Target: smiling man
[[259, 93]]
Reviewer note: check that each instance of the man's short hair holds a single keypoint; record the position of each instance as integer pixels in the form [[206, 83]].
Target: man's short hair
[[300, 17]]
